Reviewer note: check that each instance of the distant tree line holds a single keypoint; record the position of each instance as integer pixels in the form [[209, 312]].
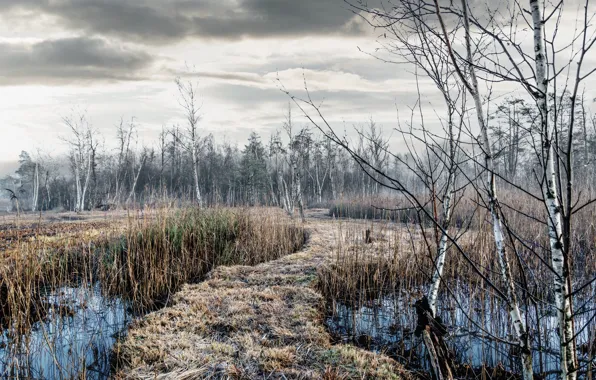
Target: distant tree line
[[293, 168]]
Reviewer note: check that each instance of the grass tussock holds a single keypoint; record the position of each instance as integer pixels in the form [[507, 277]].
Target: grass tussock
[[160, 255]]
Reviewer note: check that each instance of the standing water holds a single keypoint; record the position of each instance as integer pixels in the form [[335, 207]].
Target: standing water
[[478, 332], [75, 337]]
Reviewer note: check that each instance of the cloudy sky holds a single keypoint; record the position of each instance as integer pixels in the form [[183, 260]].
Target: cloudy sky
[[119, 58]]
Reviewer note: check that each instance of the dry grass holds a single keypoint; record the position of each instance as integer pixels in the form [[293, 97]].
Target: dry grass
[[142, 260], [155, 258], [250, 322], [396, 267], [36, 258]]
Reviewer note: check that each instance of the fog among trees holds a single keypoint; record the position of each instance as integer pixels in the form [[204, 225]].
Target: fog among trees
[[296, 161]]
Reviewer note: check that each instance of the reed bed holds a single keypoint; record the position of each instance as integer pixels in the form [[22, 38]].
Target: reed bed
[[372, 283], [138, 262], [374, 208], [521, 213], [155, 257], [145, 260]]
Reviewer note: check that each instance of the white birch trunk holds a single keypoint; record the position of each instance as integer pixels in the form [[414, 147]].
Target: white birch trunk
[[298, 189], [288, 200], [196, 173], [295, 191], [48, 193], [332, 182], [568, 359], [280, 187], [447, 206], [514, 311], [441, 251], [134, 184], [35, 188], [320, 182], [77, 171], [87, 178]]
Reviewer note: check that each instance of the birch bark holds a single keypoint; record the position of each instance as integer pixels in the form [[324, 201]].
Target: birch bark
[[35, 188], [568, 357], [472, 87]]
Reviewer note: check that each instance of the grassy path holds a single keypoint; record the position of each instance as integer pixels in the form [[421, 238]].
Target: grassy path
[[251, 322]]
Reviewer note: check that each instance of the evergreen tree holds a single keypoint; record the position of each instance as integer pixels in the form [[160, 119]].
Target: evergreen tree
[[254, 169]]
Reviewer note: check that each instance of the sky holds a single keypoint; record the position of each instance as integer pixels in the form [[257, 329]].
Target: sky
[[118, 59]]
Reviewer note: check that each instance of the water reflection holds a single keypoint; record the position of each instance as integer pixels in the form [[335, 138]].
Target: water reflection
[[477, 326], [74, 339]]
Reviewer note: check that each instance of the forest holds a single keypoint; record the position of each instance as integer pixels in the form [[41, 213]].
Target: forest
[[297, 161]]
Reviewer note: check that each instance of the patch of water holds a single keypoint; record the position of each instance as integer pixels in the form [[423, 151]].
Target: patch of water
[[477, 329], [75, 338]]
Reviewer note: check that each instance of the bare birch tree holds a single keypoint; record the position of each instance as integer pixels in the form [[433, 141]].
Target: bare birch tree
[[189, 101], [495, 50], [81, 143], [124, 134], [297, 141]]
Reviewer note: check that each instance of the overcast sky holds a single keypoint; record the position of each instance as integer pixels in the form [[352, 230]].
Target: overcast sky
[[119, 58]]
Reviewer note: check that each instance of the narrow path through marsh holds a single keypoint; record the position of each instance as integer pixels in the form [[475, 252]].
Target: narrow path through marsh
[[264, 321]]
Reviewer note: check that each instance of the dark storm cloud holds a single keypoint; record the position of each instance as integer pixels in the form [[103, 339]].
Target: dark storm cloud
[[166, 21], [69, 59], [158, 21]]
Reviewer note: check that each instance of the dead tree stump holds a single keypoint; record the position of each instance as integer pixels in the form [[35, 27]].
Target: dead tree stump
[[432, 331]]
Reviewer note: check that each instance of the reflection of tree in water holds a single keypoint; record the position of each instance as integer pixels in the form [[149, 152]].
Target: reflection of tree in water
[[75, 338]]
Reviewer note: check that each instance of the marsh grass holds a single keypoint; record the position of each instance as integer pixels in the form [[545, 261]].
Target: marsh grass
[[370, 289], [374, 208], [138, 261], [154, 258]]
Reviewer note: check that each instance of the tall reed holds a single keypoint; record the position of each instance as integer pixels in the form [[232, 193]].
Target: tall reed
[[371, 286], [156, 256], [144, 262]]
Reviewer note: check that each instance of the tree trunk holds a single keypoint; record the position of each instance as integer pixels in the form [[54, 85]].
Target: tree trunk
[[442, 249], [288, 199], [35, 188], [134, 184], [299, 198], [432, 331], [196, 174], [77, 171], [473, 89], [49, 202], [555, 228], [87, 178]]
